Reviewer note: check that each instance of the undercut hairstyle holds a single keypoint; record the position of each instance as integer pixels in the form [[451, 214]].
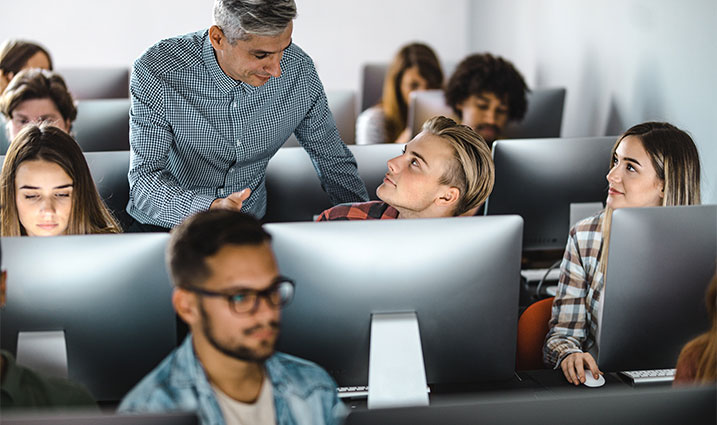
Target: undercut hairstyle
[[203, 235], [394, 106], [38, 84], [485, 73], [14, 55], [241, 19], [472, 170], [88, 214]]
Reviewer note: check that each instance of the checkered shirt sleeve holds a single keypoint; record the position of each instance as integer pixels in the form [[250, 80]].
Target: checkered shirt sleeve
[[197, 135], [372, 210], [573, 324]]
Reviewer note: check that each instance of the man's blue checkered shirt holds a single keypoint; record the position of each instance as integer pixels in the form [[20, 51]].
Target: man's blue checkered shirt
[[197, 135]]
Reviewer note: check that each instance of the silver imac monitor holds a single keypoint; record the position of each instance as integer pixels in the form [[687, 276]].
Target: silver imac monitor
[[539, 179], [93, 308], [655, 406], [660, 262], [459, 277], [97, 83], [543, 118], [102, 125], [74, 418], [293, 189]]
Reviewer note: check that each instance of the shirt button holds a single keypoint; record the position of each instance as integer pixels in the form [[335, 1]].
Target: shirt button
[[235, 104], [231, 170], [238, 142]]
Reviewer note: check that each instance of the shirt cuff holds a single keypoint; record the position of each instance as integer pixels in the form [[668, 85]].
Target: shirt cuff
[[201, 203]]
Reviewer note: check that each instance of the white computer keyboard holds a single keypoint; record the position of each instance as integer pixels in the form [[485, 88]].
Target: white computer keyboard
[[650, 376]]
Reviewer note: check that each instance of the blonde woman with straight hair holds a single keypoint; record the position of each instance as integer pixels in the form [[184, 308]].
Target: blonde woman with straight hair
[[653, 164], [46, 188]]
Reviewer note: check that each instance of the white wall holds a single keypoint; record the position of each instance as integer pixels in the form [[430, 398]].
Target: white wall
[[339, 35], [623, 62]]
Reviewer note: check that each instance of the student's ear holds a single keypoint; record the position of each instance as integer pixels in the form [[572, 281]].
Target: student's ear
[[185, 304], [216, 37], [449, 197]]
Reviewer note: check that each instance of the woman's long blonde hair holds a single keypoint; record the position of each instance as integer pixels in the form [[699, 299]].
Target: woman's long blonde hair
[[674, 156], [88, 214], [706, 370], [392, 102]]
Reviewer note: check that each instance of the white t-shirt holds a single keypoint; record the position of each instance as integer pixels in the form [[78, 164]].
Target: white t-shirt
[[260, 412]]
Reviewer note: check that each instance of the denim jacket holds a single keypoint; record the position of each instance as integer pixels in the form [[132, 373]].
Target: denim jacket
[[303, 392]]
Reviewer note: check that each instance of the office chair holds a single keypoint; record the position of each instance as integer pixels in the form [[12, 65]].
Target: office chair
[[532, 328]]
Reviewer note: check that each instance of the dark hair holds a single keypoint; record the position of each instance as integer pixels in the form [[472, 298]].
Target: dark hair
[[203, 235], [88, 215], [38, 84], [14, 55], [484, 72], [394, 105]]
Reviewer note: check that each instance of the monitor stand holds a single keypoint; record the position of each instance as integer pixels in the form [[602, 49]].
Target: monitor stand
[[396, 372], [44, 352]]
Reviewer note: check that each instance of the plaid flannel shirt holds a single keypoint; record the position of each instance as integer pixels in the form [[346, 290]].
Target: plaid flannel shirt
[[372, 210], [574, 322], [197, 135]]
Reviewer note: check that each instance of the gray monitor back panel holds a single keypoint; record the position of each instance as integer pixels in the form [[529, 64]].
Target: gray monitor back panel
[[97, 83], [294, 192], [539, 179], [73, 418], [660, 262], [111, 295], [460, 275], [543, 118], [102, 125], [663, 406]]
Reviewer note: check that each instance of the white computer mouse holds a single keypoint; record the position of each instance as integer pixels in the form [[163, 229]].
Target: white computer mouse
[[591, 382]]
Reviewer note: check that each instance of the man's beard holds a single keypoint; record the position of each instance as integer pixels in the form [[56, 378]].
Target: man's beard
[[240, 352]]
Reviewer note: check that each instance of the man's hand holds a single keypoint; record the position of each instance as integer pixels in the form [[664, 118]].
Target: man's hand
[[231, 202], [574, 367]]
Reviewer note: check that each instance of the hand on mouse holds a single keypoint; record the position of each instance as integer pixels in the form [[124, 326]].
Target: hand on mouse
[[574, 367]]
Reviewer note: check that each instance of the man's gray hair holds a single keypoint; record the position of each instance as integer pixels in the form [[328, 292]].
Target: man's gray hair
[[240, 19]]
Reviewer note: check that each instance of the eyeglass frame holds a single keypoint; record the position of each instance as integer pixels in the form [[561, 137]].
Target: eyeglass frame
[[264, 293]]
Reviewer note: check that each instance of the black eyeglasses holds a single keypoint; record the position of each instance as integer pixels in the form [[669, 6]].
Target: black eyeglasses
[[242, 301]]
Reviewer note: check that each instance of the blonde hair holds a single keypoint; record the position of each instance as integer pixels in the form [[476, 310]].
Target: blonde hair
[[676, 161], [392, 102], [706, 370], [472, 170], [88, 214]]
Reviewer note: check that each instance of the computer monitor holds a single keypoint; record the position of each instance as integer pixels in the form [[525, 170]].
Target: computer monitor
[[654, 406], [97, 83], [102, 125], [72, 418], [460, 276], [660, 262], [342, 104], [543, 118], [293, 189], [107, 296], [540, 178], [109, 172]]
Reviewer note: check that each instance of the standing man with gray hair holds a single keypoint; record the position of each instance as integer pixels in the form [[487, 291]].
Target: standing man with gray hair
[[209, 110]]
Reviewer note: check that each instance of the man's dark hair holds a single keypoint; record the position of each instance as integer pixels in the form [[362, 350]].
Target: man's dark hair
[[484, 72], [203, 235]]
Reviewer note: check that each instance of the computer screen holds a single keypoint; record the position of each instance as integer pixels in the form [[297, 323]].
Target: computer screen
[[342, 104], [293, 189], [102, 125], [110, 294], [660, 262], [97, 83], [654, 406], [543, 118], [460, 276], [539, 179], [72, 418]]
